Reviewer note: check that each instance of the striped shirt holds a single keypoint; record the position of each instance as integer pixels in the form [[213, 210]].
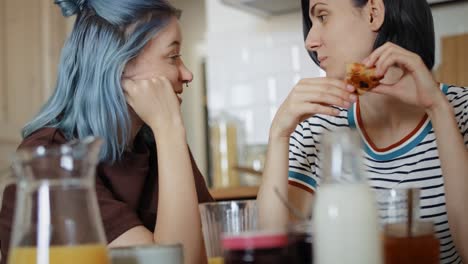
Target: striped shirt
[[412, 162]]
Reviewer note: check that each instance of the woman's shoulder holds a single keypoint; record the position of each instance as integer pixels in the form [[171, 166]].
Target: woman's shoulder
[[47, 136], [458, 98], [454, 92]]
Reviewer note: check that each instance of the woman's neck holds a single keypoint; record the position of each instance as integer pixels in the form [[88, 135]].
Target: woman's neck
[[387, 112], [387, 120], [136, 124]]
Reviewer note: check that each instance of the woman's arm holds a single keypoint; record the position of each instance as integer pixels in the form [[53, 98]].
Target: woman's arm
[[275, 176], [309, 97], [454, 162], [272, 214], [135, 236], [178, 202], [157, 105]]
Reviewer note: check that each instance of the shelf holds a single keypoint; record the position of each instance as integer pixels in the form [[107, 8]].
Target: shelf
[[235, 193]]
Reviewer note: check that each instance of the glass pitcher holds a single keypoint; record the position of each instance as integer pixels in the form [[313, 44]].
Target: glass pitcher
[[57, 218]]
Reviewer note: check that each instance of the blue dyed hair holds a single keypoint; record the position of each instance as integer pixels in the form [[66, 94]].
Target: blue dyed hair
[[88, 98]]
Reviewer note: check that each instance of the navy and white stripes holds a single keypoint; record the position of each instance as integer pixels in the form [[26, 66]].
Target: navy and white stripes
[[412, 162]]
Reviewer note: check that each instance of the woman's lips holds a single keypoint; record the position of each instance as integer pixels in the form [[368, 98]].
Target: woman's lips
[[322, 61]]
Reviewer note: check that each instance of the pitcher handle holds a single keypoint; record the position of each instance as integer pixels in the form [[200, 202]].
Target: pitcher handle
[[6, 178]]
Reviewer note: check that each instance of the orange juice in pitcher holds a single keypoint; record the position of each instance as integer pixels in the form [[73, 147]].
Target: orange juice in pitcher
[[89, 254], [216, 260], [57, 218]]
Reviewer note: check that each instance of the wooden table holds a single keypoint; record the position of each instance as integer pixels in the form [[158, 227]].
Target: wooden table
[[235, 193]]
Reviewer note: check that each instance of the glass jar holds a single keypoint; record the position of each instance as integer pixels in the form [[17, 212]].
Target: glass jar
[[219, 218], [407, 237], [300, 243], [255, 248], [226, 149]]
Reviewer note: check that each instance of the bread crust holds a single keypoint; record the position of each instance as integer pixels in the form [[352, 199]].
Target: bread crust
[[361, 77]]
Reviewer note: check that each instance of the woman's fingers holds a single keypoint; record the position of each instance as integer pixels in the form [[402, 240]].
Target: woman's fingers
[[308, 109], [322, 98], [344, 91], [375, 55], [389, 55], [323, 81], [405, 60], [128, 85], [308, 98], [165, 82], [318, 95]]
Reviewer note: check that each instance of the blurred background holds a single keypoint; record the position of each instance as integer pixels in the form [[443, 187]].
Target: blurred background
[[246, 55]]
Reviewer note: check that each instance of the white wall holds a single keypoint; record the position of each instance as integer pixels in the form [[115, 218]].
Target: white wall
[[252, 64]]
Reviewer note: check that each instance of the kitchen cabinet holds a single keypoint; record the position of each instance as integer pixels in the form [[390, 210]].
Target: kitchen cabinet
[[31, 36], [454, 60]]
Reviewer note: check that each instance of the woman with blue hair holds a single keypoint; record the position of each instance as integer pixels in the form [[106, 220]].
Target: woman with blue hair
[[120, 78]]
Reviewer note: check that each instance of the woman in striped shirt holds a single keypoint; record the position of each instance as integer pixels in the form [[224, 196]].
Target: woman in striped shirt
[[415, 130]]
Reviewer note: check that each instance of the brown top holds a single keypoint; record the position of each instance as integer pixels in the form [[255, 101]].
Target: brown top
[[127, 190]]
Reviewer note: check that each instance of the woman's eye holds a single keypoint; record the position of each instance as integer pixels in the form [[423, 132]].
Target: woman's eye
[[322, 18], [175, 56]]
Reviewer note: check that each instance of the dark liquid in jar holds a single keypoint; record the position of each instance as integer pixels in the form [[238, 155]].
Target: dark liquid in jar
[[410, 250], [300, 248], [256, 256]]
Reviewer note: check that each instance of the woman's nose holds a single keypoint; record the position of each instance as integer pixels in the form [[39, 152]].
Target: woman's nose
[[312, 42], [186, 74]]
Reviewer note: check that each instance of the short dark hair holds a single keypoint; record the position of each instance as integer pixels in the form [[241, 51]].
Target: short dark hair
[[408, 23]]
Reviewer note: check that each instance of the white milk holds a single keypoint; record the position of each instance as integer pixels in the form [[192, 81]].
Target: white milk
[[346, 225]]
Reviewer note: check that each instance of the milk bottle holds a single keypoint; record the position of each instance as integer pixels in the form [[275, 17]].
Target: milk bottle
[[345, 215]]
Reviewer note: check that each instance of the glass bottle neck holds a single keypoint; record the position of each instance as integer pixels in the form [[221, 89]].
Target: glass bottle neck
[[342, 159]]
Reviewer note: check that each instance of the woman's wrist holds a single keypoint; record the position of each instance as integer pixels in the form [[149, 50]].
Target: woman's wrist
[[441, 108], [278, 142], [275, 138], [169, 131], [277, 135]]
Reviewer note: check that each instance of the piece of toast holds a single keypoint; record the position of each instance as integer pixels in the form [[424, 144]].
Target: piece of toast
[[361, 77]]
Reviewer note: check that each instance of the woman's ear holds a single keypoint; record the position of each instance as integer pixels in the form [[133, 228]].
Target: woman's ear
[[376, 14]]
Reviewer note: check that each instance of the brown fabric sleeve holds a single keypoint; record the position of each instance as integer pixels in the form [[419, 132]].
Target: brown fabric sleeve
[[200, 184], [117, 216]]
